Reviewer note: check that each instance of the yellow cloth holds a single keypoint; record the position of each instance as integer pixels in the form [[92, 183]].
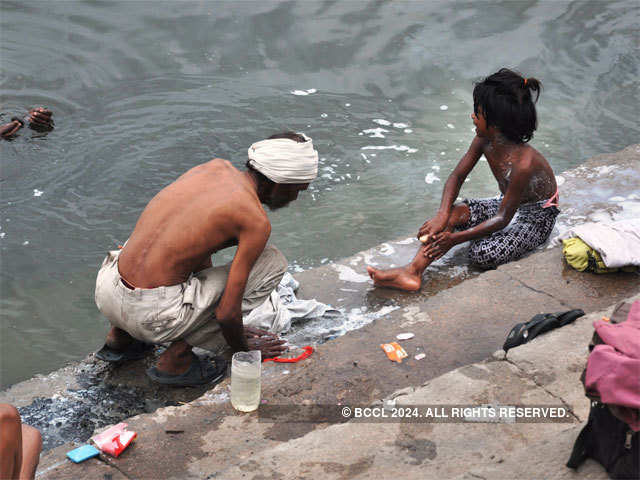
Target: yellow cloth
[[582, 257]]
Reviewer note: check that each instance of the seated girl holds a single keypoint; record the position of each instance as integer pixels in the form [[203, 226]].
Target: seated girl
[[505, 227]]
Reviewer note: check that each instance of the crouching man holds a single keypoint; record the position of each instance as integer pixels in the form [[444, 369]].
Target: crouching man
[[162, 287]]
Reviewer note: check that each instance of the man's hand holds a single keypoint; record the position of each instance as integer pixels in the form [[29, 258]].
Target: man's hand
[[251, 332], [40, 119], [431, 227], [269, 346], [441, 244]]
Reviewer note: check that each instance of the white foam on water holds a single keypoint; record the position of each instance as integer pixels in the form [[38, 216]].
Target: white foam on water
[[450, 125], [633, 196], [26, 242], [399, 148], [357, 317], [304, 92], [386, 249], [363, 155], [617, 199], [2, 234], [367, 258], [442, 153], [408, 130], [435, 167], [400, 125], [324, 115], [37, 193], [381, 121], [407, 241], [560, 180], [430, 178], [347, 104], [347, 274], [605, 169], [375, 132], [444, 107]]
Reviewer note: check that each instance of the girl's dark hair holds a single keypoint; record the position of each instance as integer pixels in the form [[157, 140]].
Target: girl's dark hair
[[507, 103]]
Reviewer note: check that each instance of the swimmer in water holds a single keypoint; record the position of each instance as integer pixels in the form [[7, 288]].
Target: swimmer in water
[[39, 119], [503, 228]]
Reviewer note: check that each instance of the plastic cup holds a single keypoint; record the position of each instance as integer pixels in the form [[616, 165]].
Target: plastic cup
[[245, 380]]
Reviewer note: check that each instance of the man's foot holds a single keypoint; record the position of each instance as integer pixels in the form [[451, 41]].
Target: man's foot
[[120, 346], [401, 278], [118, 339], [199, 372]]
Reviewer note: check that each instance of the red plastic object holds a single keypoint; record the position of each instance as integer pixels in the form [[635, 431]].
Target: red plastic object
[[307, 352], [114, 440]]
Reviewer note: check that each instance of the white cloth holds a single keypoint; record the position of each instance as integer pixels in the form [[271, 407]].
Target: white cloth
[[282, 306], [282, 160], [617, 243]]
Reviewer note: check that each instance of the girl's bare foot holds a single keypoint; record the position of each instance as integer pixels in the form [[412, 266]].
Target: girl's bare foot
[[403, 278]]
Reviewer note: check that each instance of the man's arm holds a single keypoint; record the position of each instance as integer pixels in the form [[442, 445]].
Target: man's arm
[[251, 242]]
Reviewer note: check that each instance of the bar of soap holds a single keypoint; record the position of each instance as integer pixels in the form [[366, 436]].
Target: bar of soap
[[424, 238], [405, 336]]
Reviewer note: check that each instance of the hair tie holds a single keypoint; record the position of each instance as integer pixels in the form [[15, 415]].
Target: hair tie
[[525, 82]]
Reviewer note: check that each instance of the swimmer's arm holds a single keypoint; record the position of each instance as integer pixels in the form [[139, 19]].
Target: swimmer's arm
[[9, 129], [457, 177], [251, 242], [510, 202]]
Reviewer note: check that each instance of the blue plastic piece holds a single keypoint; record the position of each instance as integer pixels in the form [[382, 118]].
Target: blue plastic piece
[[83, 453]]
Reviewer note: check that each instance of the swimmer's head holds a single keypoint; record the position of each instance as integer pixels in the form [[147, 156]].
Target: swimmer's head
[[505, 100]]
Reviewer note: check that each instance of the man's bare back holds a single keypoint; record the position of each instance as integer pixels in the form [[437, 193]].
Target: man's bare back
[[202, 212]]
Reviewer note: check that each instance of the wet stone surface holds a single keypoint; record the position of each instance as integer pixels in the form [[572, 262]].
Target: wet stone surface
[[77, 414]]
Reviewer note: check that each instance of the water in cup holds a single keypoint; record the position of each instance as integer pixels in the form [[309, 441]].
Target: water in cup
[[245, 380]]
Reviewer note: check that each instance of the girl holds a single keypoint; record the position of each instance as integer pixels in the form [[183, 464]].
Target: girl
[[503, 228]]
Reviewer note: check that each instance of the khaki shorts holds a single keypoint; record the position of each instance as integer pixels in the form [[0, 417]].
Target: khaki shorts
[[184, 311]]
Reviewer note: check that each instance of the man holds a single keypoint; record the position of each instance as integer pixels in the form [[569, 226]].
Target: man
[[161, 287], [40, 119], [20, 445]]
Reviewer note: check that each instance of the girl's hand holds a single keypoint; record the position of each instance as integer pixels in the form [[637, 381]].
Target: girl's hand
[[432, 227], [441, 244]]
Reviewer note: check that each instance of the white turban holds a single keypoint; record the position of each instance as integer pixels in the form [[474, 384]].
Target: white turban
[[282, 160]]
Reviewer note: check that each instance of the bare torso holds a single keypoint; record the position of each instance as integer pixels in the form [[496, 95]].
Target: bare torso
[[199, 214], [542, 181]]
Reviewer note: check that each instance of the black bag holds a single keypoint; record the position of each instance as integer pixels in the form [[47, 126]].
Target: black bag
[[606, 438], [610, 442]]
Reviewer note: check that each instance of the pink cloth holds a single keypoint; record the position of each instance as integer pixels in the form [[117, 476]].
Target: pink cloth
[[625, 336], [613, 370]]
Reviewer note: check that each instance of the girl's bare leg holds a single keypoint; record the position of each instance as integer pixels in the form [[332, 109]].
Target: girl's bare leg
[[409, 277]]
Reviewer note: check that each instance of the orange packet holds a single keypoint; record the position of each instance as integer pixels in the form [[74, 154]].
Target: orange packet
[[394, 351]]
